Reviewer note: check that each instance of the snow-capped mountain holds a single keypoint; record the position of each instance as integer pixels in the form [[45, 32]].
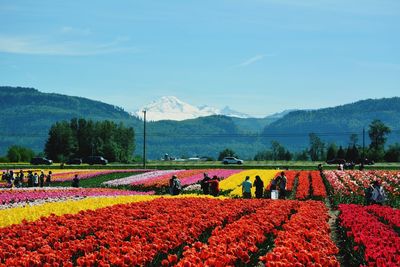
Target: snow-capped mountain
[[171, 108]]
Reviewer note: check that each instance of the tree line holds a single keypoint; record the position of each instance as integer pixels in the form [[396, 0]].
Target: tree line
[[318, 150], [82, 138]]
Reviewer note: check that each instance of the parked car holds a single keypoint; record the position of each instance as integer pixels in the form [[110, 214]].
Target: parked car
[[365, 161], [96, 160], [336, 161], [232, 160], [41, 161], [75, 161]]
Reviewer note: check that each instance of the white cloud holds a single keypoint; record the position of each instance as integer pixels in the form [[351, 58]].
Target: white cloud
[[38, 45], [253, 60]]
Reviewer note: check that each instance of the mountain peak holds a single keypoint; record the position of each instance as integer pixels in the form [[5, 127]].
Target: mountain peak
[[172, 108]]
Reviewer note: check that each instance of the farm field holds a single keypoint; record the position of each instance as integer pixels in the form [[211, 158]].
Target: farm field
[[131, 221]]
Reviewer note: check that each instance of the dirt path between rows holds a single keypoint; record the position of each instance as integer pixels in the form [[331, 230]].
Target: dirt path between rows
[[333, 215]]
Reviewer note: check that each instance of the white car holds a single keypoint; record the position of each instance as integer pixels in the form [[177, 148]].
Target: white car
[[232, 160]]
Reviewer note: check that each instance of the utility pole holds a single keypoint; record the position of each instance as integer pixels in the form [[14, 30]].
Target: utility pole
[[144, 139], [363, 152]]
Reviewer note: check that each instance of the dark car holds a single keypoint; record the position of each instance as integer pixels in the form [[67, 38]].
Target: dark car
[[365, 161], [41, 161], [336, 161], [96, 160], [75, 161]]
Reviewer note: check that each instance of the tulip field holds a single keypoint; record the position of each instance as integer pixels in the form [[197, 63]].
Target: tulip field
[[132, 222]]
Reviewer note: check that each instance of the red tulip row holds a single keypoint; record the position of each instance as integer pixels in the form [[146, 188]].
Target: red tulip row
[[122, 235], [234, 244], [318, 186], [381, 242], [303, 187], [304, 240], [389, 214]]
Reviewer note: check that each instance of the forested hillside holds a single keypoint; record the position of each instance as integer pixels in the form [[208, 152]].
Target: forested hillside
[[335, 124], [27, 115]]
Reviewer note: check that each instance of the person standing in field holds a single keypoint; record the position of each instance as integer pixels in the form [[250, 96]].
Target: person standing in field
[[259, 185], [175, 185], [246, 187], [20, 178], [41, 179], [205, 185], [75, 181], [48, 178], [282, 185], [214, 186], [35, 180]]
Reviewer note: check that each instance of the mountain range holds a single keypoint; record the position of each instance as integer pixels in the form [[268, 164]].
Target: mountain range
[[172, 108], [27, 114]]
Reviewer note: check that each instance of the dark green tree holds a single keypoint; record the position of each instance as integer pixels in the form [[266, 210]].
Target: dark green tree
[[226, 153], [20, 154], [61, 143], [81, 138], [341, 154], [316, 150], [278, 151], [393, 153], [377, 133], [332, 152]]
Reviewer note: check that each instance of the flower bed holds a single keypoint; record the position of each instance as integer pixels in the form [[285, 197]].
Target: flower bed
[[370, 241], [234, 182], [317, 185], [181, 231], [252, 230], [303, 187], [304, 240], [31, 194], [349, 186]]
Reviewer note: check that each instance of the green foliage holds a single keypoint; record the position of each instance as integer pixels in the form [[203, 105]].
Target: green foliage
[[332, 152], [393, 153], [19, 154], [277, 152], [341, 154], [226, 153], [81, 138], [316, 147], [377, 132]]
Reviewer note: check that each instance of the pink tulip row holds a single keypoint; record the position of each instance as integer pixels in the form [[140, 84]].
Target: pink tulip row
[[22, 195], [337, 185], [68, 176], [187, 177], [140, 178], [389, 179]]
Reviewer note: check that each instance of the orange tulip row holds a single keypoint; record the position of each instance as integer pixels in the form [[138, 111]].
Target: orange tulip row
[[304, 240], [234, 244]]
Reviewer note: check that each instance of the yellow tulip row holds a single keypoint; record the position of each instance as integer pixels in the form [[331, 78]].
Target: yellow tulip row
[[234, 182]]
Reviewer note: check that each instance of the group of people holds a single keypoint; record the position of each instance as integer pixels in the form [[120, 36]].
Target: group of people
[[32, 179], [278, 185], [210, 186]]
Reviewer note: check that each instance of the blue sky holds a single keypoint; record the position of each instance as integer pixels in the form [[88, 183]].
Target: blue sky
[[257, 56]]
